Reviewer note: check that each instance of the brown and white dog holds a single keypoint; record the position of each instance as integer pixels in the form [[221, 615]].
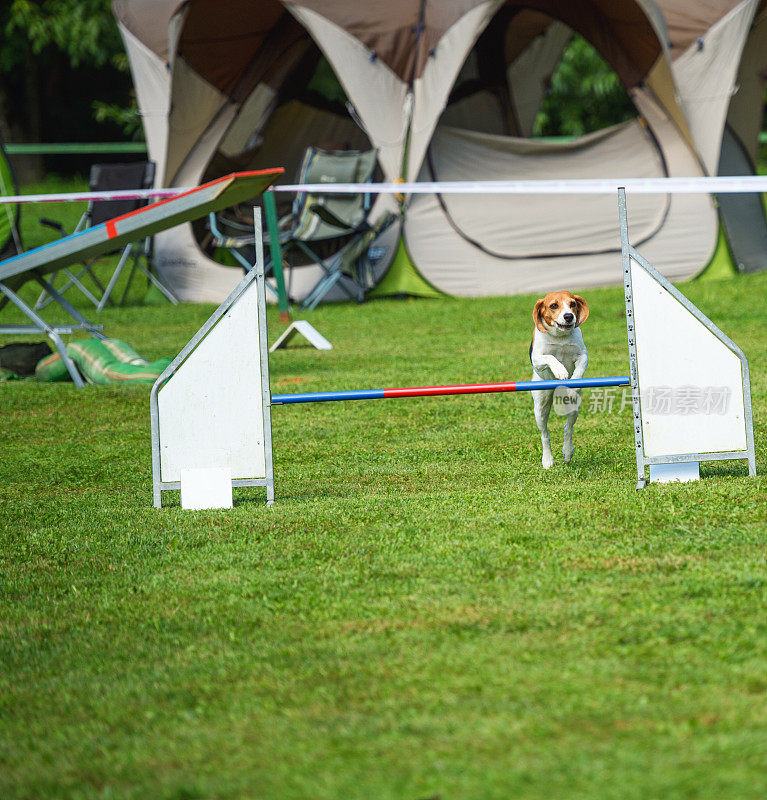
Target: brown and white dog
[[557, 352]]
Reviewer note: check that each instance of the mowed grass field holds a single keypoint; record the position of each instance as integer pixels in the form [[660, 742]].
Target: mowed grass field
[[423, 613]]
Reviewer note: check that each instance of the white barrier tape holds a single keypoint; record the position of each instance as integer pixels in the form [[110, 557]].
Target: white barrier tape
[[124, 194], [715, 185]]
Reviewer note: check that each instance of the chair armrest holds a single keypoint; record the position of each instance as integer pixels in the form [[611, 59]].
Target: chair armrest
[[331, 219], [52, 223]]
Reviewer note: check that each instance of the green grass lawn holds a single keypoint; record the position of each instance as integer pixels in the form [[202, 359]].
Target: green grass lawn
[[424, 612]]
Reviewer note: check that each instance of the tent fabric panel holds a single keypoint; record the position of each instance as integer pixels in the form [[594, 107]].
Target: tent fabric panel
[[147, 20], [376, 92], [530, 72], [621, 31], [705, 78], [453, 266], [386, 29], [687, 20], [528, 26], [194, 105], [681, 247], [245, 132], [152, 84], [432, 88], [660, 81], [221, 40], [518, 225], [193, 167], [477, 112], [401, 33], [293, 126]]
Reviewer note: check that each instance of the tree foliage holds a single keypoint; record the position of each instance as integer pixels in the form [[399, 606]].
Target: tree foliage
[[585, 95], [63, 74], [83, 30]]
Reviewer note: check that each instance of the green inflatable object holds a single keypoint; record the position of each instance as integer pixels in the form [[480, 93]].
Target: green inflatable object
[[103, 362]]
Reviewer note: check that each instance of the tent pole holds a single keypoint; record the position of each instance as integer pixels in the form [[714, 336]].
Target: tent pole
[[270, 209]]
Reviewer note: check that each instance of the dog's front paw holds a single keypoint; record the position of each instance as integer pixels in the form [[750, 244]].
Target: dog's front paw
[[560, 373]]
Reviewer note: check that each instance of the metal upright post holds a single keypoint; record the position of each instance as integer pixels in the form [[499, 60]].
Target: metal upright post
[[636, 409], [270, 210], [266, 392]]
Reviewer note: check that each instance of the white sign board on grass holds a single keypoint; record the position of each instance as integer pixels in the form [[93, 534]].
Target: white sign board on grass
[[211, 408]]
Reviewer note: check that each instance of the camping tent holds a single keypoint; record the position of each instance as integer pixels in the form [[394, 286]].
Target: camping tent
[[448, 90]]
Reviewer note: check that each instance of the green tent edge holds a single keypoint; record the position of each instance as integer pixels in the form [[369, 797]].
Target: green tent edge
[[403, 277], [721, 265]]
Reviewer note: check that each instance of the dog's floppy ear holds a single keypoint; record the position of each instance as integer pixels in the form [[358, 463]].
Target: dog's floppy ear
[[583, 310], [538, 315]]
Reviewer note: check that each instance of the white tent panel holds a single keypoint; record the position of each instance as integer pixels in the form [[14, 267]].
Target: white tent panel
[[528, 75], [191, 170], [152, 82], [479, 111], [514, 225], [199, 115], [192, 276], [705, 77], [432, 89], [245, 132], [378, 95], [554, 241]]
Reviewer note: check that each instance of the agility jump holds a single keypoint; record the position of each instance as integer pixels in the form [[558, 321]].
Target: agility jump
[[201, 437], [437, 391]]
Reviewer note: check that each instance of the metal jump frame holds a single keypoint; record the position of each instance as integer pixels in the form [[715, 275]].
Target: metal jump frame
[[628, 253], [255, 275]]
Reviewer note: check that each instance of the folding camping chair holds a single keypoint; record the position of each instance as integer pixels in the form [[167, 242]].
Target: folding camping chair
[[104, 178], [332, 230]]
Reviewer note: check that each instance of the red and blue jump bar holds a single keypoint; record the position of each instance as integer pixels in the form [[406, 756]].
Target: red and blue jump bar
[[433, 391]]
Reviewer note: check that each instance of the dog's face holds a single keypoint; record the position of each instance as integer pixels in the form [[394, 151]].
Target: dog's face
[[560, 312]]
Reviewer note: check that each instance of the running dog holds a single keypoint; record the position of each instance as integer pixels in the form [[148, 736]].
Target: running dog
[[558, 352]]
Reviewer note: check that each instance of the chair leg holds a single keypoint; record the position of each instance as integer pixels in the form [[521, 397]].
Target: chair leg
[[157, 283], [129, 281], [320, 290], [44, 298], [88, 267], [72, 280], [90, 327], [326, 284], [113, 280], [332, 276]]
